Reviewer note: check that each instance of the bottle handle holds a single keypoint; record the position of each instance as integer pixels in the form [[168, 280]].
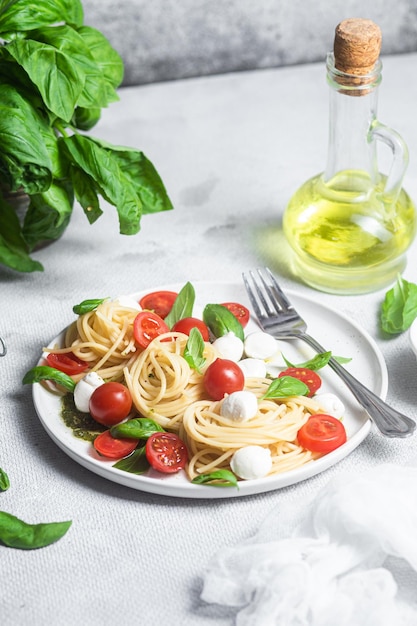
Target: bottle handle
[[399, 164]]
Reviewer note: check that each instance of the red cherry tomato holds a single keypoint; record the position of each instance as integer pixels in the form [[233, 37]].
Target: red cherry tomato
[[166, 452], [221, 377], [239, 311], [187, 323], [322, 433], [308, 377], [113, 448], [159, 302], [67, 363], [110, 403], [147, 326]]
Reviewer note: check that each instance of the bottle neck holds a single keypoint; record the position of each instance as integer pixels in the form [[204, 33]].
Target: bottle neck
[[353, 109]]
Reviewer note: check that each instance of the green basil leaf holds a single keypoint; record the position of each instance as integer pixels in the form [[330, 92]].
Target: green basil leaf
[[4, 481], [218, 478], [142, 175], [24, 159], [86, 193], [68, 41], [103, 167], [286, 386], [108, 60], [44, 372], [85, 118], [48, 215], [21, 16], [87, 305], [135, 428], [194, 348], [221, 321], [13, 247], [183, 305], [399, 308], [53, 72], [16, 533], [316, 363], [135, 463]]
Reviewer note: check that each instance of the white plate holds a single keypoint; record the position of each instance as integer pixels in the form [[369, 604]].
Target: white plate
[[335, 331]]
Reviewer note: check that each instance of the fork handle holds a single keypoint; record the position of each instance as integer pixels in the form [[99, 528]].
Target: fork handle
[[389, 421]]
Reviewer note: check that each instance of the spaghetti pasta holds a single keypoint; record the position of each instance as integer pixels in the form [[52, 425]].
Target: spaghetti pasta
[[213, 439]]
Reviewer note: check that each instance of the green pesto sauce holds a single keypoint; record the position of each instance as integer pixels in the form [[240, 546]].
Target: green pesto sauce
[[82, 424]]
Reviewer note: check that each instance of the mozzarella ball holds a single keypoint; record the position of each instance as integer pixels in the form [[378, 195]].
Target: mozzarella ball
[[253, 368], [330, 404], [84, 390], [239, 406], [229, 347], [128, 302], [260, 345], [251, 462]]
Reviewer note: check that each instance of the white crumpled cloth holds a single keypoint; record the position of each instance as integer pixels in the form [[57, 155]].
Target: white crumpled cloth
[[344, 564]]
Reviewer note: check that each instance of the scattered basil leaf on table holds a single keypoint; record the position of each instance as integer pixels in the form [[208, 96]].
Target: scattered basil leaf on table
[[87, 305], [183, 305], [15, 533], [399, 308], [218, 478], [194, 348], [221, 321], [135, 428], [4, 481], [44, 372], [286, 386]]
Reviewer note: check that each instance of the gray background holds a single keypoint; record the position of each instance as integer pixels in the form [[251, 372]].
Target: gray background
[[169, 39]]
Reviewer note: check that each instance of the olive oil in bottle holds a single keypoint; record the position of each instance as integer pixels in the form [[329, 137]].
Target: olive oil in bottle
[[350, 226]]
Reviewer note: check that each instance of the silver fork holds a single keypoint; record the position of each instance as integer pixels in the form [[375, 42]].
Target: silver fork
[[277, 316]]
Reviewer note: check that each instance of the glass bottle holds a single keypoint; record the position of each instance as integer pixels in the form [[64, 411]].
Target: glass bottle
[[350, 226]]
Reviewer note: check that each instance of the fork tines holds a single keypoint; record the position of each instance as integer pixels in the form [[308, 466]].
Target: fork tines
[[265, 294]]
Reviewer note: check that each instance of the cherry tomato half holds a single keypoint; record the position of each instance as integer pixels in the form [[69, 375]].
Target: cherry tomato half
[[147, 326], [113, 448], [308, 377], [110, 403], [221, 377], [67, 363], [322, 433], [239, 311], [166, 452], [187, 323], [159, 302]]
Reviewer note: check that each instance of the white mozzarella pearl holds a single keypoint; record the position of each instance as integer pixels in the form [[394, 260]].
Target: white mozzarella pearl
[[229, 347], [260, 345], [84, 390], [330, 404], [251, 462], [239, 406]]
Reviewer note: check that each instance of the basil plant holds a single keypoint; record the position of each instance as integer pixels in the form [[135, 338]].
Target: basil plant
[[56, 74]]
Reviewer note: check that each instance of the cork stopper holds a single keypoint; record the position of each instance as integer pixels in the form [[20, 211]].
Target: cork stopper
[[357, 45]]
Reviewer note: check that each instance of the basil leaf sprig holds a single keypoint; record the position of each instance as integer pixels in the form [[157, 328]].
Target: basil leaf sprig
[[217, 478], [44, 372], [194, 349], [135, 463], [86, 306], [183, 305], [15, 533], [399, 308], [286, 386], [57, 74], [221, 321]]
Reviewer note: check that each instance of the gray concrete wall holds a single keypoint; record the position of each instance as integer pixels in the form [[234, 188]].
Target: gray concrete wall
[[168, 39]]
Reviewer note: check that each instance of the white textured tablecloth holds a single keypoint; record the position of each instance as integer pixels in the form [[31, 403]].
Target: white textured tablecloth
[[231, 150]]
